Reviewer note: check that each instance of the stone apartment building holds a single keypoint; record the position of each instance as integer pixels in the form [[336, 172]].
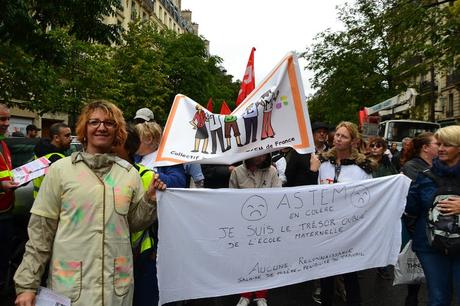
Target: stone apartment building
[[442, 87]]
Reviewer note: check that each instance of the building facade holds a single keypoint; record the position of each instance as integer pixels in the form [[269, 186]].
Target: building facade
[[166, 14]]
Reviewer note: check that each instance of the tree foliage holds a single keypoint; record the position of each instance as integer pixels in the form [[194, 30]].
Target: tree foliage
[[385, 44], [146, 69]]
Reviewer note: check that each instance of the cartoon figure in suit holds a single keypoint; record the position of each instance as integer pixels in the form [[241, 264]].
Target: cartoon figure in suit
[[215, 126], [250, 122]]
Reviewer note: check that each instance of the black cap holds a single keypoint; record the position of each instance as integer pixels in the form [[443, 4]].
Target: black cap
[[319, 125], [32, 127]]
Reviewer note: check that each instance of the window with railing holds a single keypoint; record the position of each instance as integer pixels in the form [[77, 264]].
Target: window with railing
[[133, 11], [450, 106]]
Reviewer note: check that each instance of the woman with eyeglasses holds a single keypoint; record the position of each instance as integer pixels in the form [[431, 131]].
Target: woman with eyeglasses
[[442, 272], [377, 148], [82, 217]]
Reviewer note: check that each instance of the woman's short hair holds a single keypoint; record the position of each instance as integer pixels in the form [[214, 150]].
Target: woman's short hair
[[351, 128], [149, 129], [449, 135], [379, 140], [111, 110]]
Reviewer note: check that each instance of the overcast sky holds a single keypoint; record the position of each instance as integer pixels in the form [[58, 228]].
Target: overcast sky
[[233, 27]]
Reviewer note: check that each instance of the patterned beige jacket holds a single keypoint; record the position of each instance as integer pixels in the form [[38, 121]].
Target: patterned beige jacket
[[81, 220]]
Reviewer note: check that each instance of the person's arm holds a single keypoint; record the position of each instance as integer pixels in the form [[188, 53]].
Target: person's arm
[[143, 209], [233, 183], [298, 170], [27, 278], [276, 181], [42, 229], [173, 176]]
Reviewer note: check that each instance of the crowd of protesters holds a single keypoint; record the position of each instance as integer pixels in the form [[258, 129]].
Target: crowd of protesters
[[93, 229]]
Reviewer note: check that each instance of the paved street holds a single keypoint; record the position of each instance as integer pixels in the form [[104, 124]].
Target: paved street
[[375, 291]]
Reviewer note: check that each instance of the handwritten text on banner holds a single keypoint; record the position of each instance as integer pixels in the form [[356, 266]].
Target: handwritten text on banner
[[227, 241]]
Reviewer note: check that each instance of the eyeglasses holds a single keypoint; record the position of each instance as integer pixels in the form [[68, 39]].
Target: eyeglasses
[[95, 123], [375, 145]]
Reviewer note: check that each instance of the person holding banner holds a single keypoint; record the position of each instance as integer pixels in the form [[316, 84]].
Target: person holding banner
[[343, 163], [256, 172], [82, 218]]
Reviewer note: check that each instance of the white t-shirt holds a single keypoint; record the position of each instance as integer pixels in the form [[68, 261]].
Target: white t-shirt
[[147, 160], [348, 173]]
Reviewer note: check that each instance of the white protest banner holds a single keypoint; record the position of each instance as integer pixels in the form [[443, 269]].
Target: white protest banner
[[227, 241], [273, 116]]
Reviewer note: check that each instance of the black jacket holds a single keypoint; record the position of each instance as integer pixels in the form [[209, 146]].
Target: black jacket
[[44, 146], [298, 171]]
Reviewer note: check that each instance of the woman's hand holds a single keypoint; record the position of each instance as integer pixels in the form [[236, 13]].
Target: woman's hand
[[315, 163], [449, 207], [25, 299], [155, 185]]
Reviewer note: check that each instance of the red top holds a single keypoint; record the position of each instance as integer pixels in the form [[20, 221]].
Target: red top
[[6, 198]]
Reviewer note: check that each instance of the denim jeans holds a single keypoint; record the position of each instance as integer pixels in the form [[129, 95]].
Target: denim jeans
[[441, 272]]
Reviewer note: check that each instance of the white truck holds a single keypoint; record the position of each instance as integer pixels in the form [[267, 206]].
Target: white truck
[[395, 130]]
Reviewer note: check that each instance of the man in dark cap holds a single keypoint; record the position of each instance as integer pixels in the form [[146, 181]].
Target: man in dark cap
[[320, 135], [32, 131]]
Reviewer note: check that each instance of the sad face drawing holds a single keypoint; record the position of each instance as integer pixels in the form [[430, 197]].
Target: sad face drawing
[[255, 208], [360, 196]]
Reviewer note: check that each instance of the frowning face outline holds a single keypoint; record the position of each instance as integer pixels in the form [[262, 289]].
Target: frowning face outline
[[360, 196], [254, 208]]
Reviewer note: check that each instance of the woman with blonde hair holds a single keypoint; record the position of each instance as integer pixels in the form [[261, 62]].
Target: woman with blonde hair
[[82, 217], [441, 271], [150, 135], [343, 163]]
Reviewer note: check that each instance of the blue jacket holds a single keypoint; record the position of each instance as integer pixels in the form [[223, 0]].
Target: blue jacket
[[420, 200], [172, 176]]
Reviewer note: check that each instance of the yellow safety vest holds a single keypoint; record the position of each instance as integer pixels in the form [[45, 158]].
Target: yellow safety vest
[[143, 238], [38, 181]]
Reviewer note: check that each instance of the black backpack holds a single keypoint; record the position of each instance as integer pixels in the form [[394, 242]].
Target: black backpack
[[443, 232]]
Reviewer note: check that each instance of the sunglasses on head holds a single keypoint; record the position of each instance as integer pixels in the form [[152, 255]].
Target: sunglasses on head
[[376, 145]]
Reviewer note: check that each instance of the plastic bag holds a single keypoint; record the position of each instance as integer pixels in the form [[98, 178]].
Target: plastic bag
[[408, 269]]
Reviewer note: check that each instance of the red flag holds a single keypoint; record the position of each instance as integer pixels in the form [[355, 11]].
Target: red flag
[[224, 109], [209, 106], [248, 84]]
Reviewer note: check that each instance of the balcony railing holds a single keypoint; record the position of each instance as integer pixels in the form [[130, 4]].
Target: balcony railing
[[149, 4], [427, 86], [415, 60], [453, 78]]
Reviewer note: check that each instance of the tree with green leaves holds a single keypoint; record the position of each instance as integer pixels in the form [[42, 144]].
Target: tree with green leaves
[[385, 45]]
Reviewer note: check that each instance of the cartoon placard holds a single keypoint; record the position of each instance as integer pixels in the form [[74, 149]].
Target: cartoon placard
[[273, 116]]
